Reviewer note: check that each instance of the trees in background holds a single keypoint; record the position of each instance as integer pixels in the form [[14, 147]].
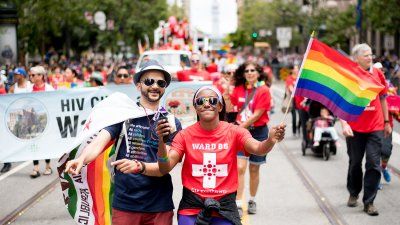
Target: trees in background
[[66, 25], [333, 26]]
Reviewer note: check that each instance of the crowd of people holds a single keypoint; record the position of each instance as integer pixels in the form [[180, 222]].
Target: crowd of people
[[233, 115]]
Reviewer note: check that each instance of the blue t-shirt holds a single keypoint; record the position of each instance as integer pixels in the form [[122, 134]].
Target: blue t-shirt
[[136, 192]]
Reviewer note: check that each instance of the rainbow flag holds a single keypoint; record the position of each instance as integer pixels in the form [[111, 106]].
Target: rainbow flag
[[88, 195], [335, 81]]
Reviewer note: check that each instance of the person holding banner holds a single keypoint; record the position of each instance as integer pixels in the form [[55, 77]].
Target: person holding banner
[[364, 137], [138, 199], [38, 77], [209, 150]]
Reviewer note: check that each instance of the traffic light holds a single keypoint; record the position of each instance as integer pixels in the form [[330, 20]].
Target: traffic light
[[254, 34]]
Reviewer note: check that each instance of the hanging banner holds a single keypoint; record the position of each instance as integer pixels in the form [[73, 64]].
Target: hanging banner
[[43, 125]]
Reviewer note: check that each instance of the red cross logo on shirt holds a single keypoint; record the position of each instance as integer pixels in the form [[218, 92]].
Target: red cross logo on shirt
[[87, 124], [209, 170]]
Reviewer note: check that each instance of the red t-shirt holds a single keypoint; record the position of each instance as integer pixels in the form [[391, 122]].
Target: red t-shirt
[[210, 166], [261, 100], [3, 91], [290, 81], [193, 74], [212, 68], [372, 117], [300, 103], [38, 89]]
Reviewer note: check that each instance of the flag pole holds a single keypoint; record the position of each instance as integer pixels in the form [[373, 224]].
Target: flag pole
[[298, 76]]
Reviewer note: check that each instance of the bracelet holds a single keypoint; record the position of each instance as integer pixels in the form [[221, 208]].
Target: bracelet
[[143, 167], [163, 159], [386, 121]]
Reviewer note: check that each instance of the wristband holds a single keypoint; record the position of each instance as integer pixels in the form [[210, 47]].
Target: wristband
[[386, 121], [143, 167], [163, 159]]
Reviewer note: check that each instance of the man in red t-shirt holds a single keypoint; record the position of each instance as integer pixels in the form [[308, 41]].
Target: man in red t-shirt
[[364, 136], [195, 73]]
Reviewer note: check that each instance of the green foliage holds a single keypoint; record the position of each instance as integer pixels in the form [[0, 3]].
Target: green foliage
[[384, 15], [333, 26], [61, 23], [259, 14]]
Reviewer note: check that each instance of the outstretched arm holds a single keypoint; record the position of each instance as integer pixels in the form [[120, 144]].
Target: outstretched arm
[[276, 134], [90, 153]]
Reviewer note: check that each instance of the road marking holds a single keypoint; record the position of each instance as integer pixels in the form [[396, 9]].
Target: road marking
[[16, 169]]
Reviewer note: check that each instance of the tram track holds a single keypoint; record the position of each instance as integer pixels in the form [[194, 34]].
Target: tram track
[[323, 203], [11, 217]]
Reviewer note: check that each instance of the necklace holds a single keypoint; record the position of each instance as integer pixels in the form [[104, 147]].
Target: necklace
[[151, 127]]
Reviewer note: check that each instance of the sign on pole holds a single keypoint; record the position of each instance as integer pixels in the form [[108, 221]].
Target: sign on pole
[[284, 44], [284, 33], [389, 42]]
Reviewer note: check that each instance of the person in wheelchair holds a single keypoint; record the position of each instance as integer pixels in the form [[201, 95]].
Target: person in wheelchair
[[324, 124]]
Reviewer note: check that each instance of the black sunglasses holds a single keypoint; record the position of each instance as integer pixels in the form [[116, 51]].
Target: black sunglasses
[[124, 75], [213, 101], [250, 71], [149, 82]]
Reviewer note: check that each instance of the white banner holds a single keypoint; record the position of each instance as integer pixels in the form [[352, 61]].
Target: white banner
[[43, 125]]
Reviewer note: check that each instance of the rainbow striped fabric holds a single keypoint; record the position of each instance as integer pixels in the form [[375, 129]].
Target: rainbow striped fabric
[[88, 195], [335, 81]]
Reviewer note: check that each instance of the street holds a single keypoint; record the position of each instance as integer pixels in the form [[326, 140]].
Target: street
[[294, 189]]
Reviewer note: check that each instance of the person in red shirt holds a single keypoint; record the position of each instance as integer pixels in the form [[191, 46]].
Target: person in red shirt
[[289, 88], [212, 67], [252, 98], [195, 73], [37, 76], [364, 137], [209, 149]]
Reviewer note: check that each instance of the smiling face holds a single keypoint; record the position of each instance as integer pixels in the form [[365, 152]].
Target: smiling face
[[251, 74], [153, 92], [207, 106]]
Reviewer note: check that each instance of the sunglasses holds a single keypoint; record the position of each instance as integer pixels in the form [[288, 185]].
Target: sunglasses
[[195, 61], [230, 72], [124, 75], [250, 71], [33, 75], [150, 82], [213, 101]]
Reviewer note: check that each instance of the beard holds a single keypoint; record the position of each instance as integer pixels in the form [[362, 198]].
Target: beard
[[146, 94]]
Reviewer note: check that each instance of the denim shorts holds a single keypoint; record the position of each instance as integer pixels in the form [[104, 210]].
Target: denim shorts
[[260, 134]]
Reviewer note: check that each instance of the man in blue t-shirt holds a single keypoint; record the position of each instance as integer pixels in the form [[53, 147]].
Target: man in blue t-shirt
[[138, 199]]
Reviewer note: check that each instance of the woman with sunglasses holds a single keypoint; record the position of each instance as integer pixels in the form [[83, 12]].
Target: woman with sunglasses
[[252, 99], [208, 149], [122, 76]]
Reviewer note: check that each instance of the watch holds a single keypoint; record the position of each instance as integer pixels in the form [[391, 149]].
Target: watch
[[386, 121]]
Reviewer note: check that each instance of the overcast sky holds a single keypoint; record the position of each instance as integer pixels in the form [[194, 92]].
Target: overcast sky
[[201, 16]]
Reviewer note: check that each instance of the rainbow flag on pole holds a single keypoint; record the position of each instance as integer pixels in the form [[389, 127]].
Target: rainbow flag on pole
[[335, 81], [88, 195]]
